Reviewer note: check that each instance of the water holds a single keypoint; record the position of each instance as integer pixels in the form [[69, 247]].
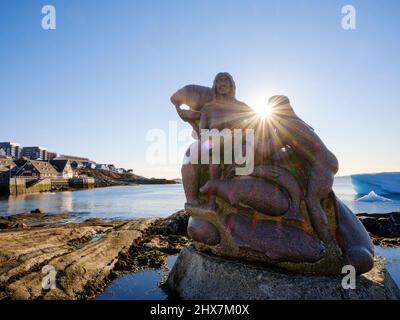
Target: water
[[123, 202], [130, 202], [344, 191], [392, 256], [141, 285]]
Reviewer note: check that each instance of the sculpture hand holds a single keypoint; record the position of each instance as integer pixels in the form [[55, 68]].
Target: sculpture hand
[[188, 115]]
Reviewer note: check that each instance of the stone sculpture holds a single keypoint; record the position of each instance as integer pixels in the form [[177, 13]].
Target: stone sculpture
[[284, 213]]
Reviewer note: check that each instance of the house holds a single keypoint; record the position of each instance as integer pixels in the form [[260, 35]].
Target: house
[[63, 168], [77, 164], [112, 168], [89, 164], [35, 169], [102, 167], [6, 163]]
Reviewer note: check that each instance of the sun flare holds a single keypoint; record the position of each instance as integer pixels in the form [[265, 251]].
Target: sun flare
[[263, 109]]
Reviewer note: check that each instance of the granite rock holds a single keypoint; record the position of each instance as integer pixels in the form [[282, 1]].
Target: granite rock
[[175, 224], [197, 275]]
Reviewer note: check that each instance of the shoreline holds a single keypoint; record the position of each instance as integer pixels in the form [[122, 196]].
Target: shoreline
[[89, 255], [87, 179], [86, 255], [6, 196], [383, 228]]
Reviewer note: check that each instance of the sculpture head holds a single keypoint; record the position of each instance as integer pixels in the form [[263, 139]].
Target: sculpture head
[[224, 86], [282, 112], [280, 106]]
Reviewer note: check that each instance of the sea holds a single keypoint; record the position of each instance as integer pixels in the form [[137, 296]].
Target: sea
[[138, 201]]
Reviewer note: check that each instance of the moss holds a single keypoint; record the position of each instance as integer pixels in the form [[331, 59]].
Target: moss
[[386, 242]]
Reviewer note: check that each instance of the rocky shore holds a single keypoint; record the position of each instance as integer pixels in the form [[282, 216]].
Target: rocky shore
[[104, 178], [86, 255], [384, 228]]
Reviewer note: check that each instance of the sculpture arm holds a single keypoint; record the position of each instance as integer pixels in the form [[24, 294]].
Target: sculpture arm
[[204, 123], [185, 115], [188, 115]]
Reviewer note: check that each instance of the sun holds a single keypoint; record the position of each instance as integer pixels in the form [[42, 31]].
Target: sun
[[262, 108]]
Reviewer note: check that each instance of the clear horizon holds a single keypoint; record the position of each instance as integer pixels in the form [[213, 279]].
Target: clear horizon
[[96, 85]]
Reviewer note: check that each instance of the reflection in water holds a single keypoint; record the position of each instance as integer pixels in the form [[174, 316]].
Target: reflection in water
[[392, 256], [55, 202], [125, 202], [141, 285], [151, 200]]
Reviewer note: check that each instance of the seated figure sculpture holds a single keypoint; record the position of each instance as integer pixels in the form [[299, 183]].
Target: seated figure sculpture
[[283, 214]]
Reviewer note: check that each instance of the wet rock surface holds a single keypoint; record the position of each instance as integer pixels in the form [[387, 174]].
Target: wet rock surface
[[86, 256], [34, 218], [175, 224], [198, 275], [384, 228]]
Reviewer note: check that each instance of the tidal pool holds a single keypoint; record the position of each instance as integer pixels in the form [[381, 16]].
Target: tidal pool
[[142, 285]]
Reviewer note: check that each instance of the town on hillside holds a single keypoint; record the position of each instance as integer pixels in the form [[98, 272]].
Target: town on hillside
[[34, 169], [38, 162]]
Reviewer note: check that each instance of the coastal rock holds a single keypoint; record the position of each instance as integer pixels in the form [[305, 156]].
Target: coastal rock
[[82, 254], [197, 275], [381, 224], [175, 224], [4, 223], [106, 178], [19, 225], [384, 228], [32, 219]]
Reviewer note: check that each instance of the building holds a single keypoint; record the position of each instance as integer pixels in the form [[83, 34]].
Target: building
[[35, 169], [35, 153], [6, 164], [77, 162], [51, 155], [102, 167], [63, 168], [11, 149], [89, 164]]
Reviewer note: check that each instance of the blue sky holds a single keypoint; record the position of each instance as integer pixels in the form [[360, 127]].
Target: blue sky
[[99, 82]]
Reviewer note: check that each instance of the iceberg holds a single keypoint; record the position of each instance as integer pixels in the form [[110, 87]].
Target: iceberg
[[385, 183], [373, 197]]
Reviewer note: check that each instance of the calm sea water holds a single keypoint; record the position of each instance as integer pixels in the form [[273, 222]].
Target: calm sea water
[[344, 190], [125, 202], [129, 202]]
